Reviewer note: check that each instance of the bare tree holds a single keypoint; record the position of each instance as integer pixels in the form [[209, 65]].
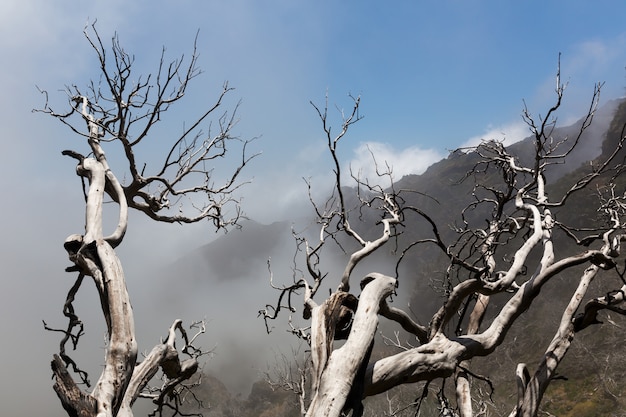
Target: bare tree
[[521, 222], [118, 112]]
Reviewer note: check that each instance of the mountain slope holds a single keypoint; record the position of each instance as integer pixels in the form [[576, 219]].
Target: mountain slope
[[235, 265]]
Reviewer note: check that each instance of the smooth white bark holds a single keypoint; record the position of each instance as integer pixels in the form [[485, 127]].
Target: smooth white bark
[[338, 374]]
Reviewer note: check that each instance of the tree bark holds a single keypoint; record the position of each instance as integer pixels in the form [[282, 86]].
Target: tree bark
[[337, 376], [75, 403], [96, 257], [535, 388]]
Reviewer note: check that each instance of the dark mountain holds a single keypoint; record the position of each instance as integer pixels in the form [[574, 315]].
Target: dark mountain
[[441, 182], [237, 254], [235, 266], [593, 391]]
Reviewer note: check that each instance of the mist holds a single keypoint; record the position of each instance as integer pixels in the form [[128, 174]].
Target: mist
[[418, 97], [227, 282]]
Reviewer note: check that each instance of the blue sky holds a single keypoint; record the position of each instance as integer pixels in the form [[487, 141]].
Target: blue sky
[[432, 75]]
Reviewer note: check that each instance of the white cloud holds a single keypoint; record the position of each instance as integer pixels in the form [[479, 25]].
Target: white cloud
[[596, 57], [583, 65], [369, 156], [508, 133]]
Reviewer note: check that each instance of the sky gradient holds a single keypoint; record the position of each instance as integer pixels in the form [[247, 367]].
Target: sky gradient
[[432, 76]]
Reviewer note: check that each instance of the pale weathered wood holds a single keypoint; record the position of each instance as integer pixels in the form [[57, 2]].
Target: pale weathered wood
[[336, 379], [488, 258], [123, 110]]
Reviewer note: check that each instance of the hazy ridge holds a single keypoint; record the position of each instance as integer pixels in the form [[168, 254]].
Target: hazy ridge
[[235, 267]]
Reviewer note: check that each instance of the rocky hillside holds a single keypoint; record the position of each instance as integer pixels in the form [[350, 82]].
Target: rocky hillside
[[595, 366]]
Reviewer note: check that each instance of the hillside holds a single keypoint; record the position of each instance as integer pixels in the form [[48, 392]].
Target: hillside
[[237, 262], [594, 383]]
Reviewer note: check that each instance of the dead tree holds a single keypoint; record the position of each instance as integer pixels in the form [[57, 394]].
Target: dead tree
[[118, 113], [522, 220]]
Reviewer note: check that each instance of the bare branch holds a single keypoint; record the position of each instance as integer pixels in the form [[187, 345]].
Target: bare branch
[[122, 109], [503, 244]]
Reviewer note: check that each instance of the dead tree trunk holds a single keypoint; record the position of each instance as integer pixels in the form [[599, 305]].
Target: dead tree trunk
[[339, 373], [122, 111], [484, 259]]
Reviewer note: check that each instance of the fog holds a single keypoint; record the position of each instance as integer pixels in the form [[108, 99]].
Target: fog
[[423, 93]]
